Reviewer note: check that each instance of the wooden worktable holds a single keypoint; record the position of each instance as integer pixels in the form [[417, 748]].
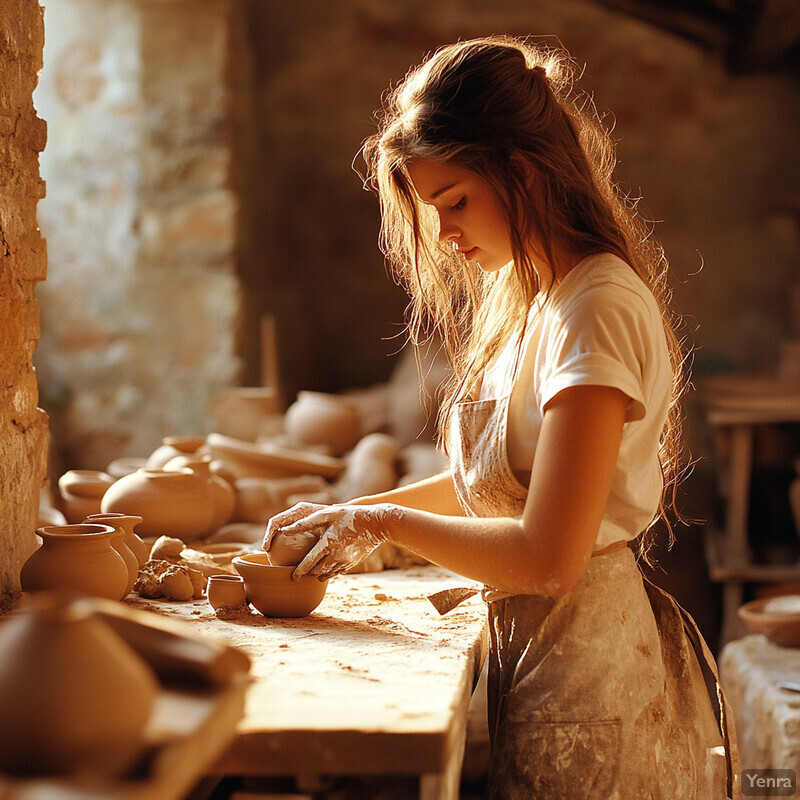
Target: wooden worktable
[[374, 682]]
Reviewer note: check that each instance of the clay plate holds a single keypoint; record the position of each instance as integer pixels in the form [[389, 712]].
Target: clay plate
[[779, 626], [272, 591]]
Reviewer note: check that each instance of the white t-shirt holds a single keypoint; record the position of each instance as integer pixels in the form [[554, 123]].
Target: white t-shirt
[[601, 326]]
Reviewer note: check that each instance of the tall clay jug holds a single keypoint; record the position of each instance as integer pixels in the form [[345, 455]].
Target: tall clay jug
[[128, 523], [120, 545], [77, 558]]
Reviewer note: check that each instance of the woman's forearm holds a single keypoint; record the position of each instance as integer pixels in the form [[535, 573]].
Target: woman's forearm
[[496, 551], [436, 494]]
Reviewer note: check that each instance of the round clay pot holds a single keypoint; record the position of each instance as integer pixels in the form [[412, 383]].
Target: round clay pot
[[222, 493], [328, 419], [78, 558], [172, 446], [170, 503], [272, 591], [225, 591], [80, 493], [62, 671], [127, 522], [289, 549]]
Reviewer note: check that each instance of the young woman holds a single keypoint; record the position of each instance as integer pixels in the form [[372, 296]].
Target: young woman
[[561, 422]]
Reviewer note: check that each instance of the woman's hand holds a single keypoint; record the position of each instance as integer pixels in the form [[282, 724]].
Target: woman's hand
[[349, 534]]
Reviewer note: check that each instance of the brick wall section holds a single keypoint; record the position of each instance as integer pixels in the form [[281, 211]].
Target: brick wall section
[[23, 259]]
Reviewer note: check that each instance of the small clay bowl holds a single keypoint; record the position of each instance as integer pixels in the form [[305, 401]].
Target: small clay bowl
[[289, 549], [272, 591], [225, 591], [779, 623]]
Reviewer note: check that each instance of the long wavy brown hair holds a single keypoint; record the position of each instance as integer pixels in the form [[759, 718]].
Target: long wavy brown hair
[[489, 105]]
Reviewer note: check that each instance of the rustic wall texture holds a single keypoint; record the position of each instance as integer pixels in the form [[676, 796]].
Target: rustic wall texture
[[23, 426], [199, 172], [140, 311]]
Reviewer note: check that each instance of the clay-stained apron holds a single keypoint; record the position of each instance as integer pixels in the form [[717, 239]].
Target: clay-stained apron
[[608, 692]]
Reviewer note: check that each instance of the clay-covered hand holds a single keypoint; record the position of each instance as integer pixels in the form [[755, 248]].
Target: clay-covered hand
[[349, 533]]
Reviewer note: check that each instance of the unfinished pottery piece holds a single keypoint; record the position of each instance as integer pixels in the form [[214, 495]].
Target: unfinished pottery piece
[[320, 418], [170, 503], [77, 558], [221, 492], [272, 591], [127, 522], [172, 446], [80, 493], [61, 672], [225, 591], [289, 549]]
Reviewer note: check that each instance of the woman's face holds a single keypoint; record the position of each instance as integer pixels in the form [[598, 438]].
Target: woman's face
[[469, 214]]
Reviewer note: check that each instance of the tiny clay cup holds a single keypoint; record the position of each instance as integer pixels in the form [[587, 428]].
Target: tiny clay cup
[[226, 591], [272, 591]]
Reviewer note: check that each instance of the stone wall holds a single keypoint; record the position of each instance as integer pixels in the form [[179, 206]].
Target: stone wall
[[139, 314], [23, 426]]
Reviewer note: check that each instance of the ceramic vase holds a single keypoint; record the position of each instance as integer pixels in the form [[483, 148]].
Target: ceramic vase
[[170, 503], [316, 418], [77, 558], [74, 697], [128, 523], [119, 543], [225, 591], [172, 446], [221, 492], [80, 493]]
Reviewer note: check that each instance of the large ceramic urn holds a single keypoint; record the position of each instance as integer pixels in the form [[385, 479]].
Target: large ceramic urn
[[77, 558], [174, 503]]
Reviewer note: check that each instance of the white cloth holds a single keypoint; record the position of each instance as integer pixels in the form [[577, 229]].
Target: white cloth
[[600, 326]]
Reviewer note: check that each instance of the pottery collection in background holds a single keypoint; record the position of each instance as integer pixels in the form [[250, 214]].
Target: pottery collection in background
[[221, 492], [77, 558], [61, 674], [172, 446]]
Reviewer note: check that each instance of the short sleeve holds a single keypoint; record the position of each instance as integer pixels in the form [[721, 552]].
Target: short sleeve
[[599, 338]]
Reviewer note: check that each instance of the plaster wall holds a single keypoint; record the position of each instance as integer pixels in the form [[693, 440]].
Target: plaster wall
[[23, 262], [139, 314]]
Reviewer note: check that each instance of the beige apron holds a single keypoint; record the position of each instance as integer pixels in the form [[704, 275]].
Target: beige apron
[[608, 692]]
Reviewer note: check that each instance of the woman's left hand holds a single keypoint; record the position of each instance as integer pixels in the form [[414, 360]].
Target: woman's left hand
[[351, 533]]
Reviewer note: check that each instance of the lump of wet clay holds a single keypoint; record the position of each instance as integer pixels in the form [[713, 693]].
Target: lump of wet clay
[[160, 578]]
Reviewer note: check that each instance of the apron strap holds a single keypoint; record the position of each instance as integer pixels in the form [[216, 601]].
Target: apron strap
[[708, 667]]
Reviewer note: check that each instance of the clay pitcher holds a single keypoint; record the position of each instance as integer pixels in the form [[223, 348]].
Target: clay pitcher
[[127, 522], [74, 697], [120, 545], [170, 503], [80, 493], [76, 558]]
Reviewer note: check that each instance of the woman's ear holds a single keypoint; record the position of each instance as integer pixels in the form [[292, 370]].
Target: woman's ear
[[526, 168]]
